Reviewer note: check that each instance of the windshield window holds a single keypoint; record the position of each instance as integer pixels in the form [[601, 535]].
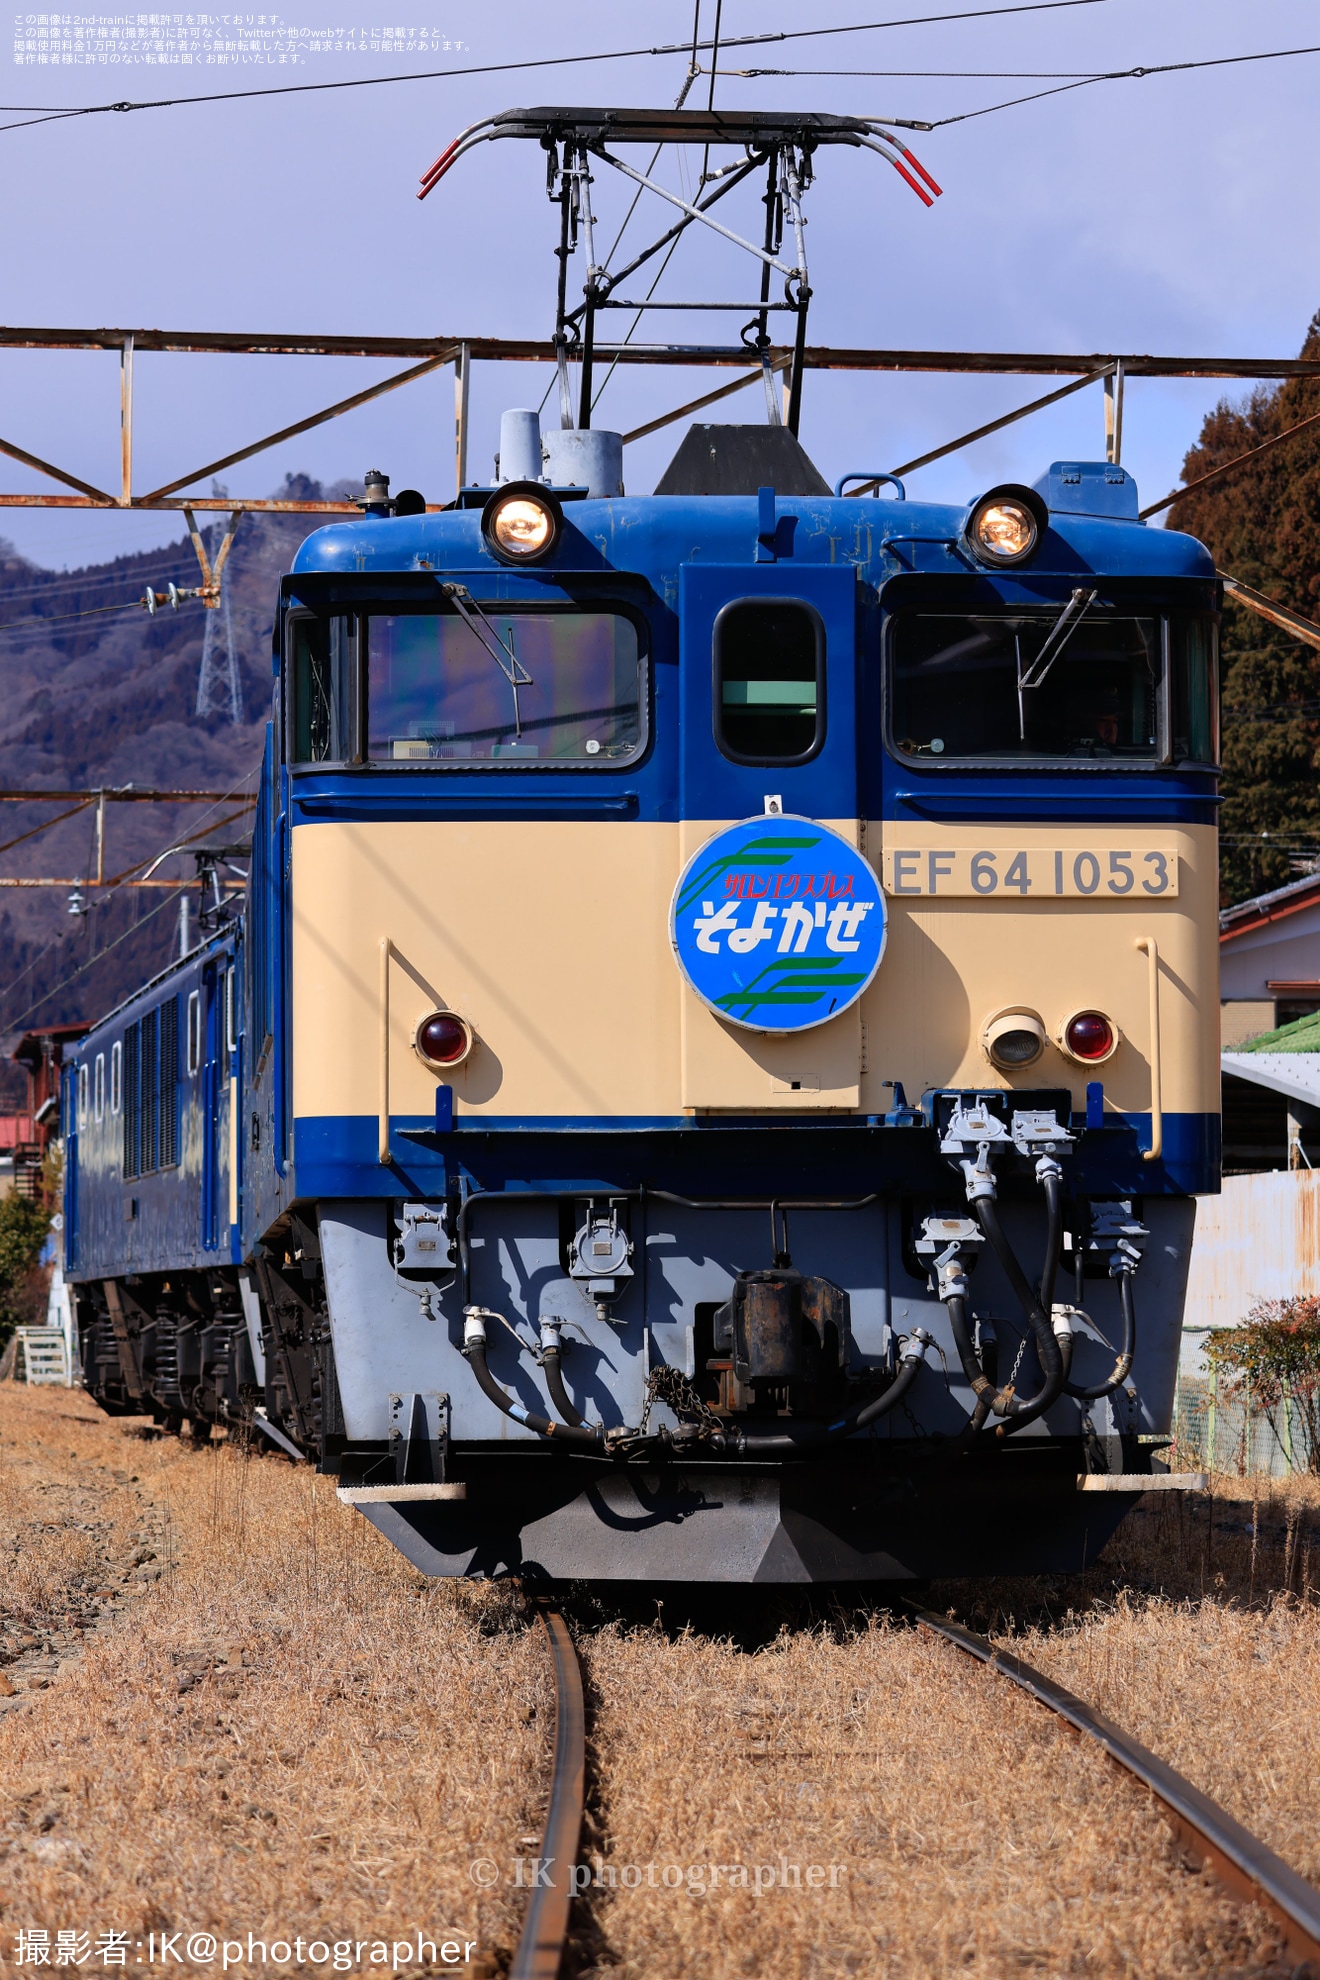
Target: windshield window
[[987, 685], [1195, 691], [493, 685], [322, 689], [769, 676]]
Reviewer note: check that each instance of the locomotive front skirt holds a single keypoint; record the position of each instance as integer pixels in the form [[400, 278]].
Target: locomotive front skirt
[[712, 1071]]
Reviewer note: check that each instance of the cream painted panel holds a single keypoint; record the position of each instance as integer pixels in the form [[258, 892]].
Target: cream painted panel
[[949, 966], [727, 1067], [551, 938]]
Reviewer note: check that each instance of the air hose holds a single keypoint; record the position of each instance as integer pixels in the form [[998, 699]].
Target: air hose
[[474, 1351], [552, 1363], [733, 1440], [1053, 1343], [805, 1435], [1002, 1401], [1051, 1349], [1051, 1183], [1051, 1325], [1127, 1353]]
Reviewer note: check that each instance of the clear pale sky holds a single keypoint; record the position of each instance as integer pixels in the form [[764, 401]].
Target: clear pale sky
[[1170, 214]]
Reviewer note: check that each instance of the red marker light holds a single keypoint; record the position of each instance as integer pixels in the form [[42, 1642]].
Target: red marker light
[[1089, 1036], [444, 1039]]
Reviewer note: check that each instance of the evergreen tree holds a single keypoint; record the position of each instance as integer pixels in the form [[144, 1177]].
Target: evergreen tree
[[1262, 524]]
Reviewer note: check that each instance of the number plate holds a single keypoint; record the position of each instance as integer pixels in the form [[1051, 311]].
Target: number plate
[[1042, 873]]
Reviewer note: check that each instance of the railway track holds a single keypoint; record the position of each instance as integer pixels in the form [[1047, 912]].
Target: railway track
[[1246, 1867], [544, 1936]]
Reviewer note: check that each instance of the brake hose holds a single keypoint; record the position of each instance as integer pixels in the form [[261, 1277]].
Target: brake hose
[[552, 1363], [1050, 1349], [1127, 1353], [1051, 1183], [474, 1351], [734, 1440]]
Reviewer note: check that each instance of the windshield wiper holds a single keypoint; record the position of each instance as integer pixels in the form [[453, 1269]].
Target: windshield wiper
[[1065, 625], [499, 650]]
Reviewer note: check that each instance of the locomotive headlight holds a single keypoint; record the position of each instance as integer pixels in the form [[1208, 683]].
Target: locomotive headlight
[[1012, 1040], [443, 1040], [1006, 525], [1089, 1036], [521, 523], [522, 529], [1005, 530]]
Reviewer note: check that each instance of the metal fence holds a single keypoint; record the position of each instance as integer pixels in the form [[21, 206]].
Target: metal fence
[[1216, 1431]]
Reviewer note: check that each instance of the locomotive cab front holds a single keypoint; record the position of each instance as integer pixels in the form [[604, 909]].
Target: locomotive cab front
[[727, 1056]]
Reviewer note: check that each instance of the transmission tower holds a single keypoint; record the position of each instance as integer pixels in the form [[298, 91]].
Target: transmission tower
[[219, 688]]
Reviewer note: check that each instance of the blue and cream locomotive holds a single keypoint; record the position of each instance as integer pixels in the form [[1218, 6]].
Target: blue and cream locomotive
[[712, 1070]]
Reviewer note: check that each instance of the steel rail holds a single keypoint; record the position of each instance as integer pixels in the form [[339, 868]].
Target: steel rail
[[545, 1928], [1245, 1865]]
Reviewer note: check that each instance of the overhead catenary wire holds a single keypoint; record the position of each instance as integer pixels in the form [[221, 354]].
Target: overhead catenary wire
[[1075, 79], [712, 72], [1125, 75], [75, 580], [62, 618], [53, 943], [1028, 75], [1072, 78], [64, 983], [166, 901], [50, 112], [108, 892]]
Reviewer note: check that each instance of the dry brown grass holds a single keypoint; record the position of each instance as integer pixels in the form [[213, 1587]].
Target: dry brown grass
[[973, 1833], [1202, 1637], [977, 1834], [291, 1732]]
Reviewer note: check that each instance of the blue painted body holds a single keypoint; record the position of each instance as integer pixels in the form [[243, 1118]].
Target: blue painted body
[[675, 562], [853, 559], [678, 560]]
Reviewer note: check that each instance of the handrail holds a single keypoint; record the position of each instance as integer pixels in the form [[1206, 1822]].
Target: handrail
[[873, 479], [387, 950], [1156, 1149]]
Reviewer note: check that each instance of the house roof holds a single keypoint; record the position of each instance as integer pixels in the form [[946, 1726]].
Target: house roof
[[1296, 1040], [1296, 1075], [1265, 908], [29, 1047]]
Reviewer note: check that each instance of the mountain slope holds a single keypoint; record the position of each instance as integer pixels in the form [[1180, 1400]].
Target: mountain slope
[[97, 693]]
